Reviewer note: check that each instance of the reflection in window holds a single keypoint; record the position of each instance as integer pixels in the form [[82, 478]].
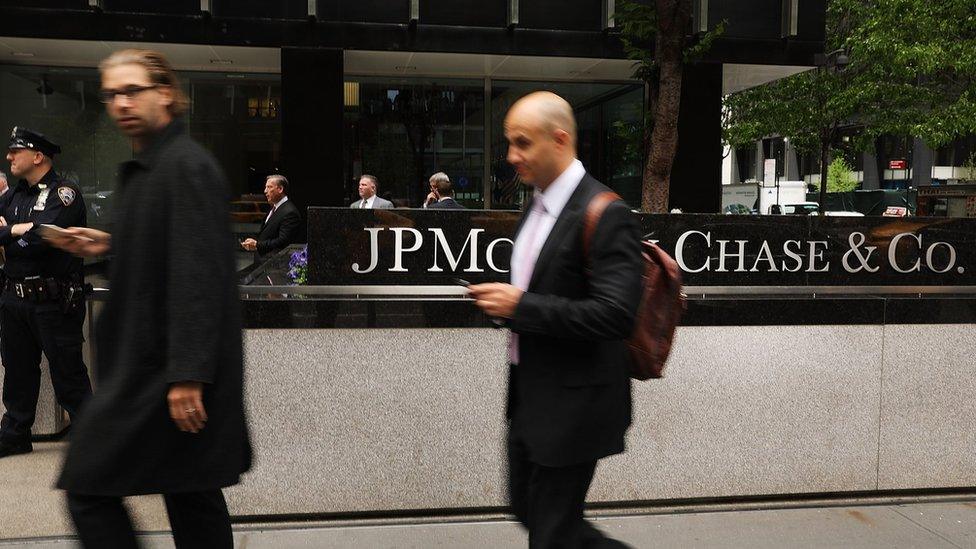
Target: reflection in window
[[609, 120], [236, 116], [405, 130]]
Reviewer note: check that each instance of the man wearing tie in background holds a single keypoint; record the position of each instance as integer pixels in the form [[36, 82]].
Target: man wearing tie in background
[[569, 398], [368, 185], [281, 226]]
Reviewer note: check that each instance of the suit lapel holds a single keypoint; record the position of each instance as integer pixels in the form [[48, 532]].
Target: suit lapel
[[565, 225], [267, 220]]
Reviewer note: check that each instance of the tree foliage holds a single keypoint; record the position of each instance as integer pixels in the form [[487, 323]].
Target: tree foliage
[[912, 72], [840, 178]]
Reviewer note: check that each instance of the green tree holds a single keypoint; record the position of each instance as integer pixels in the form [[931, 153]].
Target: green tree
[[840, 178], [911, 72], [655, 37]]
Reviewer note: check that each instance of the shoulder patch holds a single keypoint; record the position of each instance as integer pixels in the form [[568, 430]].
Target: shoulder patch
[[67, 195]]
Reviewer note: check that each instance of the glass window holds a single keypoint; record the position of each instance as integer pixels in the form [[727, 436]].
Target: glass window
[[404, 130], [236, 116], [609, 120]]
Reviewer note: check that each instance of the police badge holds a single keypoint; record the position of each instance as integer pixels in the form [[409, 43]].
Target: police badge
[[41, 198], [67, 195]]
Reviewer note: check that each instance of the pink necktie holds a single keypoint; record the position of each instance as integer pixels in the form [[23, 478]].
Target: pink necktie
[[523, 275]]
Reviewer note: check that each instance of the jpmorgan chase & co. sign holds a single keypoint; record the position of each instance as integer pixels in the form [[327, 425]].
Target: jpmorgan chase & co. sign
[[419, 247]]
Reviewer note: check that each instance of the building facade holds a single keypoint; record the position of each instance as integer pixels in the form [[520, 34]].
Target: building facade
[[326, 90]]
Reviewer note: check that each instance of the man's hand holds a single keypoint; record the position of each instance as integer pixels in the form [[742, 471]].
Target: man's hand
[[250, 245], [185, 401], [20, 228], [3, 222], [431, 198], [81, 241], [496, 299]]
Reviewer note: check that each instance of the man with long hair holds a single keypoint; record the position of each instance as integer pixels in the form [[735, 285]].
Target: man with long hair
[[168, 414]]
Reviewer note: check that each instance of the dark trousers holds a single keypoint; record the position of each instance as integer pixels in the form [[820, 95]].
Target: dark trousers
[[198, 519], [26, 329], [548, 501]]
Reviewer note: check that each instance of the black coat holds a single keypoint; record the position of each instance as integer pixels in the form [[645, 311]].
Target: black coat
[[279, 230], [173, 315], [445, 204], [569, 396]]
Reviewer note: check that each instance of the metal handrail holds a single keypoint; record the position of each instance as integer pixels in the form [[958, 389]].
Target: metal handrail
[[364, 291]]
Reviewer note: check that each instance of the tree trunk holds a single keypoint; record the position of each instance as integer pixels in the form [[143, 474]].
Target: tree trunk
[[674, 20]]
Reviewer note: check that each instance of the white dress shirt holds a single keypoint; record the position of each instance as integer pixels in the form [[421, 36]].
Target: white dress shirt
[[369, 202], [554, 199], [546, 207]]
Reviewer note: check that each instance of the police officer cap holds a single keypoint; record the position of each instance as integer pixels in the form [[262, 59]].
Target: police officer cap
[[22, 138]]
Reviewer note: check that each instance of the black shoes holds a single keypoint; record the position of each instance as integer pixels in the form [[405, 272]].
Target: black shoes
[[14, 447]]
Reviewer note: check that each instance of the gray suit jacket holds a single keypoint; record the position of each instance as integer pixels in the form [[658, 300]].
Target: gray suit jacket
[[378, 204]]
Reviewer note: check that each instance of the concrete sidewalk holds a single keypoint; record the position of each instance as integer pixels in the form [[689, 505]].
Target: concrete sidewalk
[[921, 525], [39, 521]]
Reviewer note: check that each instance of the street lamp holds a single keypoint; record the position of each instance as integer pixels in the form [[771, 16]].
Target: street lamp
[[835, 61]]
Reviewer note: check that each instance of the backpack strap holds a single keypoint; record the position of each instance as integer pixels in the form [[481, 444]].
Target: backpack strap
[[594, 211]]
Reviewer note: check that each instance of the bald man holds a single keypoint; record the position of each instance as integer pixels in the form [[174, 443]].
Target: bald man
[[570, 313]]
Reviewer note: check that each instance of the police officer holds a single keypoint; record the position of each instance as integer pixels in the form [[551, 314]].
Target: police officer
[[42, 302]]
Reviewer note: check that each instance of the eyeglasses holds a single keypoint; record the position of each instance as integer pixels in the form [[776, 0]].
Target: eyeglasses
[[129, 92]]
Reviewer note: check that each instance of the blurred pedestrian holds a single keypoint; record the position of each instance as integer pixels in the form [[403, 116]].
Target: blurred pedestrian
[[168, 414]]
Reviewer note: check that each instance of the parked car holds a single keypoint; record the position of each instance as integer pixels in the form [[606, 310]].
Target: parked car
[[801, 208]]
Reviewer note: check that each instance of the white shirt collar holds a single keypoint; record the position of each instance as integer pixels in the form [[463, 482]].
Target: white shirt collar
[[558, 193], [280, 202], [369, 201]]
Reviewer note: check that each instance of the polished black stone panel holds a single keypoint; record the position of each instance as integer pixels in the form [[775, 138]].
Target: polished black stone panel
[[817, 251], [341, 240], [931, 310], [309, 314], [282, 313], [784, 311], [381, 247]]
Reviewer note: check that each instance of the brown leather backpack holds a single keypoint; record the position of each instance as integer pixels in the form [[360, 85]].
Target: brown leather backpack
[[661, 300]]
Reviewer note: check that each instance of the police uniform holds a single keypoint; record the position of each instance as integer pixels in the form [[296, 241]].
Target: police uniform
[[42, 301]]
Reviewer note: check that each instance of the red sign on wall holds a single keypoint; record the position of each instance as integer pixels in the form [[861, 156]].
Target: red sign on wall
[[897, 164]]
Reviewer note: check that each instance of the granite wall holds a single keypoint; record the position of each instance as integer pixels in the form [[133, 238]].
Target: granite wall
[[353, 420]]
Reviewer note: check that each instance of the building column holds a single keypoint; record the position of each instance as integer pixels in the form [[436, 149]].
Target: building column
[[922, 158], [311, 126], [696, 176], [871, 179], [791, 171]]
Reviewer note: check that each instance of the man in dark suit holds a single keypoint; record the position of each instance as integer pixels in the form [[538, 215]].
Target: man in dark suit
[[281, 226], [441, 195], [569, 398]]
